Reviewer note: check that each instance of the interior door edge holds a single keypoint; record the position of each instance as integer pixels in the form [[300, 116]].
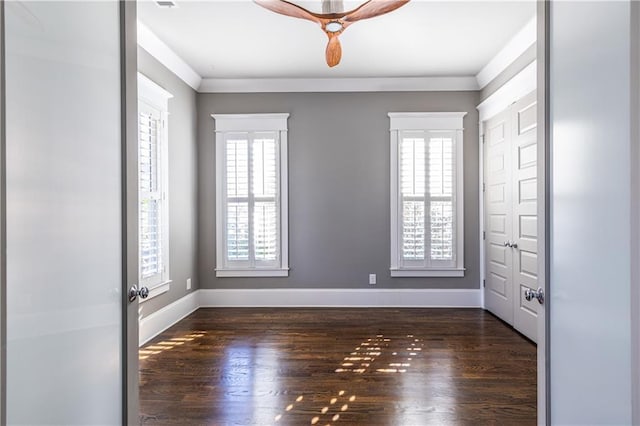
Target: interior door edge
[[3, 227], [129, 128], [543, 14]]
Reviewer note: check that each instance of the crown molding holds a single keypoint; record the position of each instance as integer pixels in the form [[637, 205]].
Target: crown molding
[[403, 84], [523, 40], [167, 57]]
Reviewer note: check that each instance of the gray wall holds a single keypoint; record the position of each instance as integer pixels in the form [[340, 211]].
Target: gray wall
[[338, 186], [182, 181]]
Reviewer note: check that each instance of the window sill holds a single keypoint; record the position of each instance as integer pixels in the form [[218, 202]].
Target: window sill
[[443, 273], [157, 290], [240, 273]]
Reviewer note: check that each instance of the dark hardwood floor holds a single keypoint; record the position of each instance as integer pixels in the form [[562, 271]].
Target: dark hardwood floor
[[339, 367]]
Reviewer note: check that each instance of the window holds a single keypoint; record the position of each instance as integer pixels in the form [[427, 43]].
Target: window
[[426, 195], [153, 210], [251, 187]]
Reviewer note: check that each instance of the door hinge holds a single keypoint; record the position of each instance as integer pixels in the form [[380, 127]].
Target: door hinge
[[484, 283], [482, 138], [484, 235], [484, 187]]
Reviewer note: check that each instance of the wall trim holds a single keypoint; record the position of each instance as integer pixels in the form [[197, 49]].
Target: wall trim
[[293, 85], [167, 57], [519, 44], [520, 85], [341, 297], [157, 322]]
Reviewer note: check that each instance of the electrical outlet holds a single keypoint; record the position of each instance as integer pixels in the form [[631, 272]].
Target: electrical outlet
[[188, 283], [372, 279]]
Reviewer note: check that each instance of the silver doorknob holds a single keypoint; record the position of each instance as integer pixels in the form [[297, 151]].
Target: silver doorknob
[[537, 294], [514, 245], [507, 244], [134, 292]]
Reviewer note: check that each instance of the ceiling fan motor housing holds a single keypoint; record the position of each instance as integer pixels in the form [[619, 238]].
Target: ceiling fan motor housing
[[334, 27]]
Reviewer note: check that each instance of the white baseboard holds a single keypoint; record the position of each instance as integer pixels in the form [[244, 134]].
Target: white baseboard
[[161, 320], [157, 322], [381, 298]]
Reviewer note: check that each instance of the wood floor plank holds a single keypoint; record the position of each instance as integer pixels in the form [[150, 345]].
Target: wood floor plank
[[339, 367]]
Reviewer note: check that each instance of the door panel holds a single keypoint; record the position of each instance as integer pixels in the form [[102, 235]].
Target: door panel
[[498, 226], [525, 211], [590, 220], [64, 190]]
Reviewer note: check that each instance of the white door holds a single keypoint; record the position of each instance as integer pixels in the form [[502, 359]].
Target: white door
[[498, 218], [511, 243], [69, 256], [525, 214], [591, 203]]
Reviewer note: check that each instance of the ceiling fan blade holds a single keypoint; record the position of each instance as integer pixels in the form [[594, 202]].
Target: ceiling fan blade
[[284, 7], [334, 51], [374, 8]]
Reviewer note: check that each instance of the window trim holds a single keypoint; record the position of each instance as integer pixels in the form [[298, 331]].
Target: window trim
[[229, 123], [156, 97], [426, 121]]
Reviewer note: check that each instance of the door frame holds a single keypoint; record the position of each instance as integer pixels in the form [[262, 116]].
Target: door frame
[[3, 228], [521, 85], [544, 191], [635, 212], [129, 129]]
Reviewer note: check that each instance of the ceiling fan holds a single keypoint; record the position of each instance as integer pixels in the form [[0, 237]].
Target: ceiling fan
[[334, 20]]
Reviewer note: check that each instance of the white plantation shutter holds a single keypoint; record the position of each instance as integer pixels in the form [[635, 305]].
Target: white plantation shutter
[[265, 191], [237, 177], [426, 191], [153, 207], [426, 187], [249, 211], [441, 196], [412, 186], [150, 194], [251, 173]]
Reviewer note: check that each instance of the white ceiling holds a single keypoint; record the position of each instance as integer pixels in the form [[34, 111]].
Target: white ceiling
[[239, 39]]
